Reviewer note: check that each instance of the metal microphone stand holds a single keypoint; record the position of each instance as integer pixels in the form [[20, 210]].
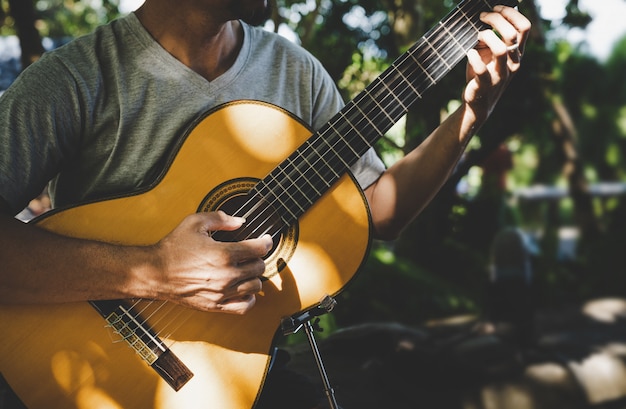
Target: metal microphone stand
[[310, 322]]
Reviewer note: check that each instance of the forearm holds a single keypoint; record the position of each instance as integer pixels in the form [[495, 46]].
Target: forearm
[[41, 267], [407, 187], [186, 266]]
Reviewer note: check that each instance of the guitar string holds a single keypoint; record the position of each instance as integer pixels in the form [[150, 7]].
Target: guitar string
[[436, 39], [319, 157], [338, 131], [352, 128], [440, 33], [246, 233], [298, 176], [423, 47], [400, 80], [156, 320], [351, 110]]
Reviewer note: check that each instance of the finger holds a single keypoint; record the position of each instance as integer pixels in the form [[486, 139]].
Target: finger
[[214, 221], [521, 24], [234, 296], [249, 270], [505, 29], [497, 51], [500, 50], [248, 287], [480, 76], [514, 53], [250, 249], [238, 305], [237, 272]]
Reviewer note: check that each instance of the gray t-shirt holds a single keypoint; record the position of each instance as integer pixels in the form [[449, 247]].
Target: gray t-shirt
[[100, 115]]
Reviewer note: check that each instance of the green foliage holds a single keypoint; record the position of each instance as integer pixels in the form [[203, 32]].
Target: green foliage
[[64, 18], [334, 29], [360, 73], [396, 288]]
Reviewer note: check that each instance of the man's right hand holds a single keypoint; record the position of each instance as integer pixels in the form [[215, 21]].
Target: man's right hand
[[198, 272]]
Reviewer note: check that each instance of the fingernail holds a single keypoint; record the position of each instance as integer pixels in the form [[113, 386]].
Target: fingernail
[[512, 47]]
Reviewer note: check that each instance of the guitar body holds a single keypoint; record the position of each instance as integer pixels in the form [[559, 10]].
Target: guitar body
[[65, 356]]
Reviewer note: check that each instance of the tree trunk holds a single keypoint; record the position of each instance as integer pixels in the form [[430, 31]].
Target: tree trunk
[[23, 11]]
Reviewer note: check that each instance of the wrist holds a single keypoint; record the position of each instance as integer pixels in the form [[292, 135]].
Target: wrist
[[144, 267], [470, 121]]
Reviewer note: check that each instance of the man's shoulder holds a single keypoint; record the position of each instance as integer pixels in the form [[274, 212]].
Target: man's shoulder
[[115, 30], [86, 56]]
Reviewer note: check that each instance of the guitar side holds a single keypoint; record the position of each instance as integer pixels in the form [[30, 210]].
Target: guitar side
[[63, 356]]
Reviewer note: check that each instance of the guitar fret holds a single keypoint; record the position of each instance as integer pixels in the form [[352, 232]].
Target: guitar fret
[[333, 148], [366, 92], [489, 6], [329, 175], [409, 83], [308, 180], [301, 175], [367, 118], [308, 143], [470, 20], [333, 151], [293, 183], [437, 53], [415, 76], [419, 64], [444, 28], [355, 129], [453, 54], [282, 198], [292, 202], [357, 134], [393, 95]]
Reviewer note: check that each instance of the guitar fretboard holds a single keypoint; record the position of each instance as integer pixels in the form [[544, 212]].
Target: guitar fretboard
[[293, 186]]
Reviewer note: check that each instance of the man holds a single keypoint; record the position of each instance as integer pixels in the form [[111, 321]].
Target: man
[[98, 118]]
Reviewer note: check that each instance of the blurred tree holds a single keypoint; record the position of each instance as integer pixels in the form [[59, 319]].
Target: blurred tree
[[23, 13], [57, 19]]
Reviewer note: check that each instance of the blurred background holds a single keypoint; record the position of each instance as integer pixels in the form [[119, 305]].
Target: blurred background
[[518, 263]]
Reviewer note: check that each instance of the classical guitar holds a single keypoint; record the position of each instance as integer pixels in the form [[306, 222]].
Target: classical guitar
[[288, 181]]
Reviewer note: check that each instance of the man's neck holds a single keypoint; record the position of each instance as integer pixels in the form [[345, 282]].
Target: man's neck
[[202, 41]]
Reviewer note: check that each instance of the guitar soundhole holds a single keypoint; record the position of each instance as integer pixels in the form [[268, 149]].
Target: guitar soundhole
[[234, 198]]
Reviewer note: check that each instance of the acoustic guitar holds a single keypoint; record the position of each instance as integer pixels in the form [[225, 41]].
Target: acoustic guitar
[[250, 159]]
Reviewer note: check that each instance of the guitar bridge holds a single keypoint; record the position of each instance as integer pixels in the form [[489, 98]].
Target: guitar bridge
[[135, 331], [123, 328]]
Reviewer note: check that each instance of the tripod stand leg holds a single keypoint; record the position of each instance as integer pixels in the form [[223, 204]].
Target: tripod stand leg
[[328, 390]]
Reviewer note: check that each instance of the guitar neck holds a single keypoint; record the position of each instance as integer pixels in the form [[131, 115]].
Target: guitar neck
[[294, 185]]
